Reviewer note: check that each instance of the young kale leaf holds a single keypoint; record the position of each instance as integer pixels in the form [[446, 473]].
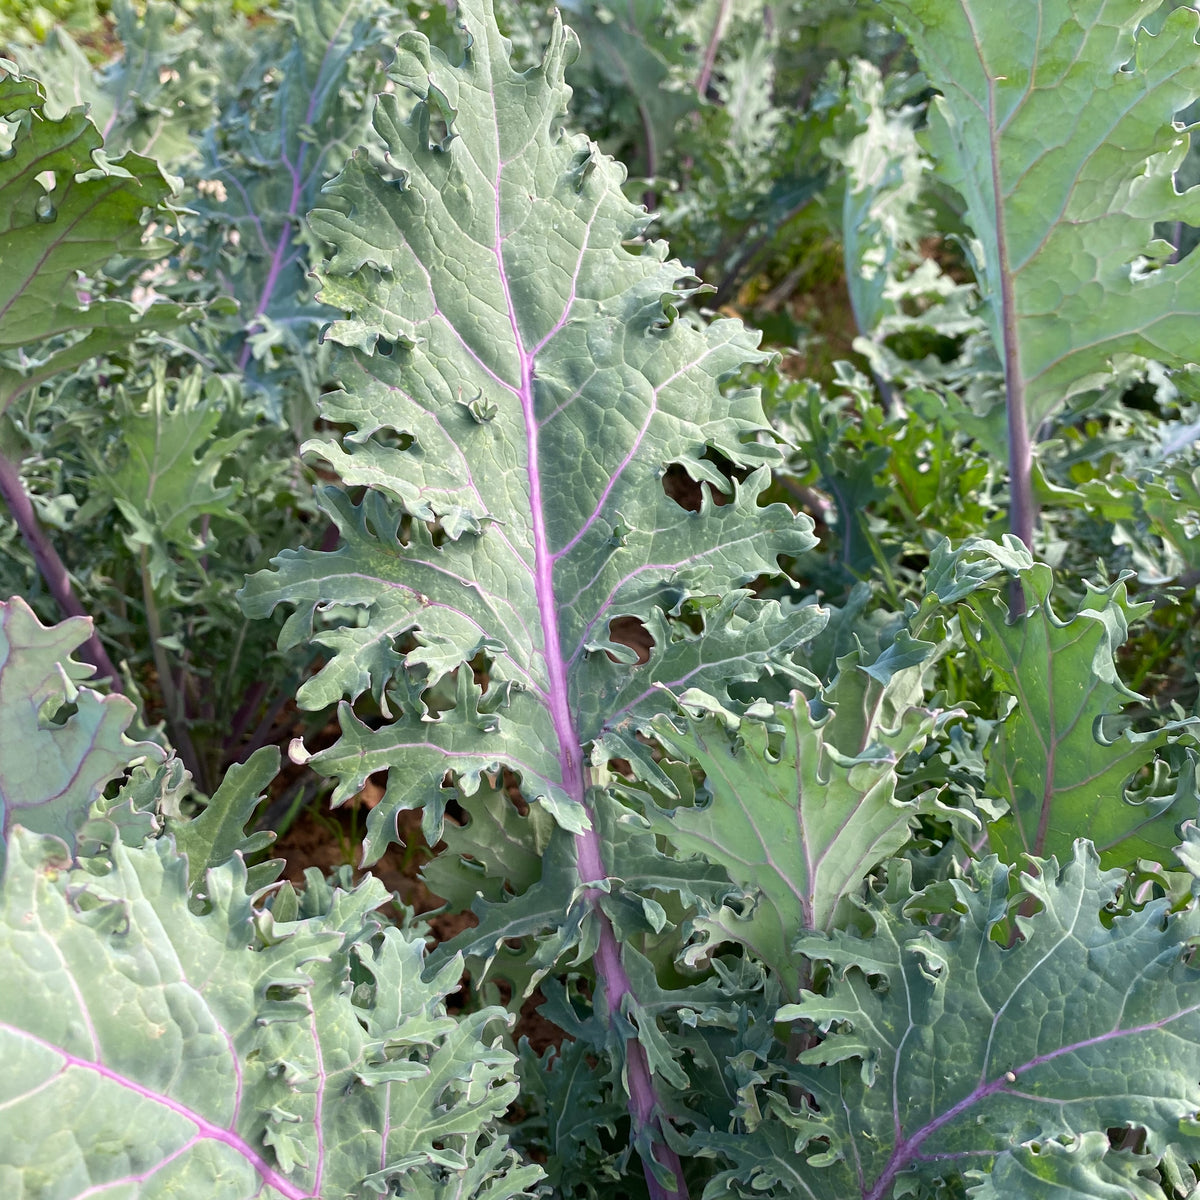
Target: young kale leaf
[[1061, 772], [800, 809]]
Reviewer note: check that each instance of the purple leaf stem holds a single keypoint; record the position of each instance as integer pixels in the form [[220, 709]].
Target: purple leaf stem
[[263, 730], [169, 689], [273, 273], [51, 567], [906, 1150], [710, 52], [1022, 513], [242, 717], [279, 258], [643, 1099], [206, 1130]]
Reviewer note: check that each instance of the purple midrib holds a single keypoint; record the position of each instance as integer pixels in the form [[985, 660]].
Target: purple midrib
[[615, 980], [907, 1148], [206, 1129], [570, 763], [297, 173]]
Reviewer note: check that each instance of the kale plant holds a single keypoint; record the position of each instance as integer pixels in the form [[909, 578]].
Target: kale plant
[[825, 891]]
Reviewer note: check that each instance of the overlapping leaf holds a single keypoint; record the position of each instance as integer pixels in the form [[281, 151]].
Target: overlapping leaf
[[1062, 774], [269, 1075], [577, 1113], [292, 114], [798, 809], [53, 769], [881, 221], [522, 937], [213, 836], [164, 481], [498, 849], [67, 209], [946, 1051], [516, 383], [154, 98], [642, 52]]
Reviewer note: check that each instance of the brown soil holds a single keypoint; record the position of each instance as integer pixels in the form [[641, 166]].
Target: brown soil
[[330, 838]]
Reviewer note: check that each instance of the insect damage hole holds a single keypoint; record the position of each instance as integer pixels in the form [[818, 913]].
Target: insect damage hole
[[688, 493], [632, 633]]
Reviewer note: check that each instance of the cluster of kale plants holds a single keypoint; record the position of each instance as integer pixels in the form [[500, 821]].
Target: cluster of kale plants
[[816, 753]]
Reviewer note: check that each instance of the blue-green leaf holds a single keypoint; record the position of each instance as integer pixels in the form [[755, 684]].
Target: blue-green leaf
[[152, 1049], [516, 381]]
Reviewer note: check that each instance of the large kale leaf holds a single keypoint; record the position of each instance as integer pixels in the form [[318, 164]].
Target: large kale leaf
[[948, 1052], [163, 1050], [516, 382]]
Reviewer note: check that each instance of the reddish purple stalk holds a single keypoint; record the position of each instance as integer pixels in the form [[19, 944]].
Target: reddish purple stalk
[[296, 170], [50, 566], [710, 51], [644, 1105], [1022, 510]]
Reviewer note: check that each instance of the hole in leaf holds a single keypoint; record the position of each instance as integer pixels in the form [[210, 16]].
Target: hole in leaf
[[1129, 1138], [458, 999], [371, 792], [384, 347], [279, 992], [727, 468], [511, 781], [691, 617], [681, 487], [455, 813], [629, 631], [687, 492], [540, 1031], [56, 715], [622, 766], [436, 119]]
